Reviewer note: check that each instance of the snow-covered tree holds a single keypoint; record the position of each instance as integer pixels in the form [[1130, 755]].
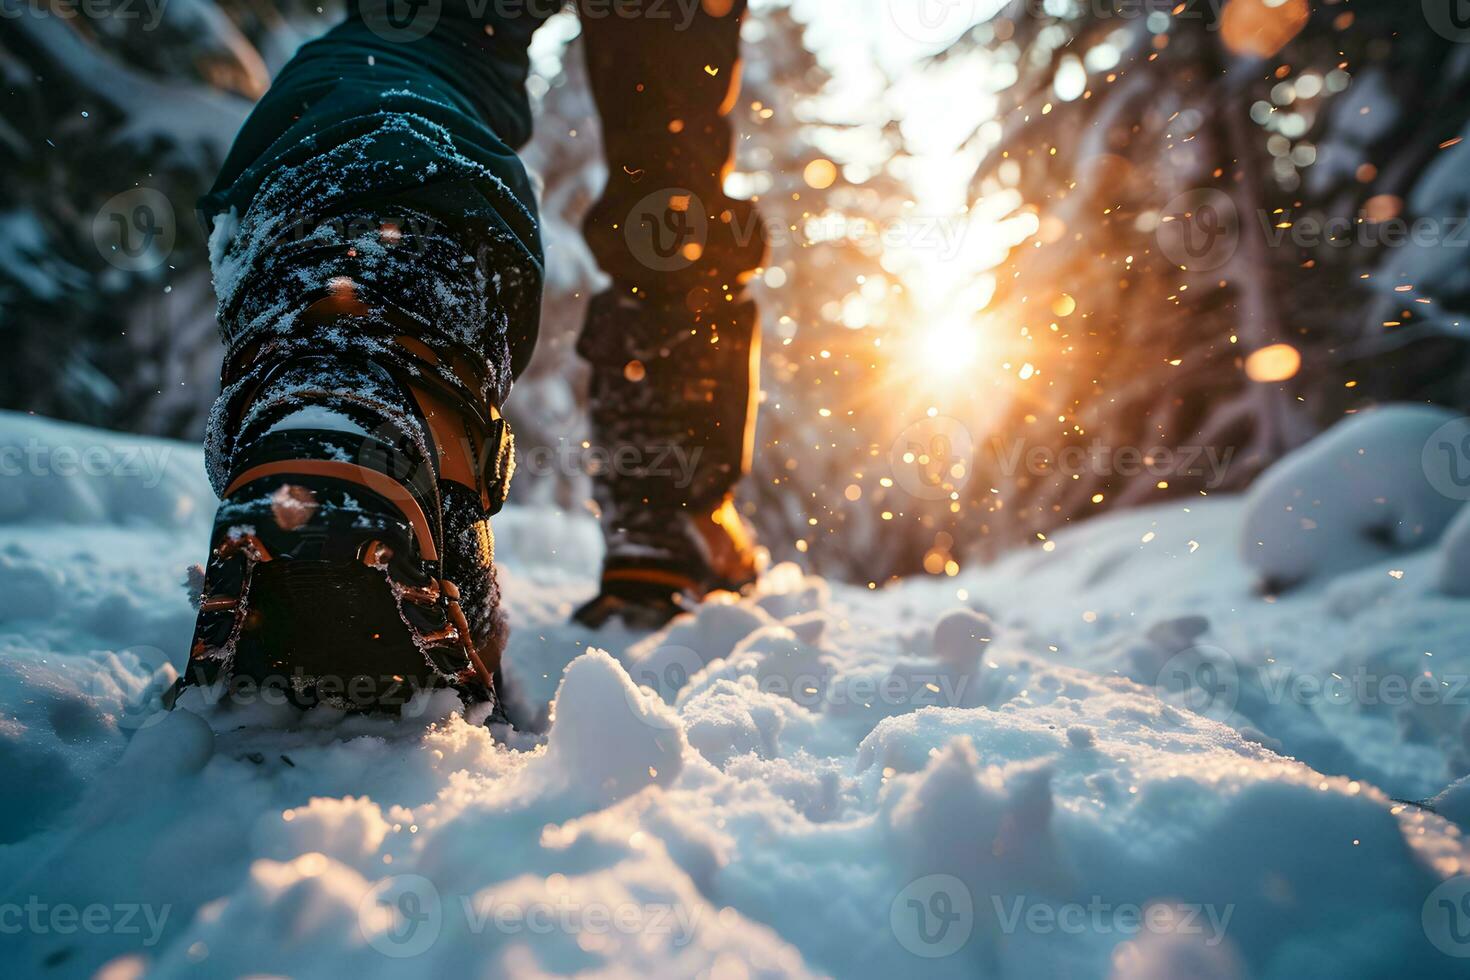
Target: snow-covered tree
[[1211, 198]]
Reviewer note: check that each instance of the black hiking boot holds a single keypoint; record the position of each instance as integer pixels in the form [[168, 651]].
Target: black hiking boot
[[352, 561]]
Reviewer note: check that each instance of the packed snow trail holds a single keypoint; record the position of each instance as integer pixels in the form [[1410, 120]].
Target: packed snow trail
[[998, 774]]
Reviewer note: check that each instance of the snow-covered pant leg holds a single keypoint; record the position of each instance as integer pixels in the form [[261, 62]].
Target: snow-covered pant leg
[[382, 163], [673, 342]]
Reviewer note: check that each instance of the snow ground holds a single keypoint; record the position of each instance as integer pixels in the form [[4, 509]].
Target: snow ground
[[1114, 758]]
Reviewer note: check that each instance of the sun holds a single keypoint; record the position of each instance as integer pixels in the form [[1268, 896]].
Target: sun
[[949, 347]]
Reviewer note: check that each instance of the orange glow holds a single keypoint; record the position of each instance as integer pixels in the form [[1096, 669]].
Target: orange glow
[[1259, 28], [1383, 207], [1279, 362], [820, 174]]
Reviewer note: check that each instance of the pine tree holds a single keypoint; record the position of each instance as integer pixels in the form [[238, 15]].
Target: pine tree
[[113, 127], [1132, 132]]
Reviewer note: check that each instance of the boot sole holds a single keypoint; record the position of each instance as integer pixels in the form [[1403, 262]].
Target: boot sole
[[317, 591]]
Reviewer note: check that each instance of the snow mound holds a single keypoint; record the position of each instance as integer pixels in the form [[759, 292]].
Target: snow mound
[[1453, 574], [813, 780], [613, 739], [961, 636], [70, 474], [1371, 487]]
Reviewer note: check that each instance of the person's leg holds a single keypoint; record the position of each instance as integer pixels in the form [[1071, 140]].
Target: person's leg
[[673, 342], [373, 121], [378, 265]]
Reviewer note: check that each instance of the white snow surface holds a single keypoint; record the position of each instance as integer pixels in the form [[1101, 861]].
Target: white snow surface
[[1368, 488], [1116, 758]]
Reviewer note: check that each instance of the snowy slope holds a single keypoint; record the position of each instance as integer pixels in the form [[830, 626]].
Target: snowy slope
[[996, 775]]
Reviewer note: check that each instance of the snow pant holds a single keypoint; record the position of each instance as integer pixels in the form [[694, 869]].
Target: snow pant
[[384, 157]]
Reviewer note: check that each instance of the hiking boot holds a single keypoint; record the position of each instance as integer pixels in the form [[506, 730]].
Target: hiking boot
[[352, 560], [671, 401]]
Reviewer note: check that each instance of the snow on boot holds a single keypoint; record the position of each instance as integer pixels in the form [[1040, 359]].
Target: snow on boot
[[352, 562], [671, 399]]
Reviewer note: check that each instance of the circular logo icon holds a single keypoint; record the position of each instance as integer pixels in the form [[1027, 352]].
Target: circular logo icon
[[1446, 459], [391, 450], [932, 21], [401, 916], [933, 458], [667, 229], [401, 21], [139, 692], [933, 916], [665, 671], [135, 230], [1446, 917], [1450, 19], [1203, 679], [1199, 230]]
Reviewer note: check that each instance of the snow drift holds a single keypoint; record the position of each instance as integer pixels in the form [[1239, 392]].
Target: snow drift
[[1117, 759]]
